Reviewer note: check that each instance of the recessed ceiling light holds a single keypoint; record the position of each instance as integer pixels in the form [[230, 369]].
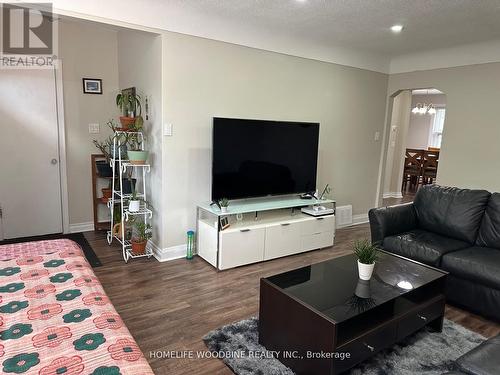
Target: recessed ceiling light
[[396, 28]]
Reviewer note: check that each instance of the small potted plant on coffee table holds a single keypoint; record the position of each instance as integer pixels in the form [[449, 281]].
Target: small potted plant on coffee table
[[367, 255], [142, 234], [223, 204]]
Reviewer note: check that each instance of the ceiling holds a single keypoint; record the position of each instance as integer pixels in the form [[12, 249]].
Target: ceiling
[[436, 34], [354, 24]]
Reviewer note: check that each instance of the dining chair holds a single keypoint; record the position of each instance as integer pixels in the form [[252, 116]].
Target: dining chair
[[430, 166], [412, 168]]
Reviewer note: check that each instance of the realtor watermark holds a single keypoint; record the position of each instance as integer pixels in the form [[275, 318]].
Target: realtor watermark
[[28, 36], [248, 354]]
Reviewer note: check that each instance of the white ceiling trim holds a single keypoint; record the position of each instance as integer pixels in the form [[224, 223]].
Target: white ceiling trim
[[132, 12], [471, 54], [159, 16]]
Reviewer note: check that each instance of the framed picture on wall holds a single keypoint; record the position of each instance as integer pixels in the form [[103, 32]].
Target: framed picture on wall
[[92, 86]]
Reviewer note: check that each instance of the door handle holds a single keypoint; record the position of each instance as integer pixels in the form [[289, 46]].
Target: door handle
[[53, 161], [370, 348]]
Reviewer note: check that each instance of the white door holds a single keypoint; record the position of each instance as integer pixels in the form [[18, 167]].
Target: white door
[[30, 183]]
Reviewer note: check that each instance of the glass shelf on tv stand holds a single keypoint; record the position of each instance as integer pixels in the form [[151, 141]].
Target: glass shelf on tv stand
[[242, 206]]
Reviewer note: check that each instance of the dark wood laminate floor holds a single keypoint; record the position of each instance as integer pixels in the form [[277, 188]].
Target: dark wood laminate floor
[[172, 305]]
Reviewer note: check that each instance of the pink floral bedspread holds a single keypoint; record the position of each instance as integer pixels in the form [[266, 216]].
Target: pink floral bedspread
[[55, 317]]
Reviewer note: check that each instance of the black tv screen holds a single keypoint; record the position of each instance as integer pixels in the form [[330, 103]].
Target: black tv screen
[[253, 158]]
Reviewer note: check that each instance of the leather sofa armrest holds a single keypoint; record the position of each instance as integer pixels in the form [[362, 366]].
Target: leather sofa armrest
[[388, 221], [483, 359]]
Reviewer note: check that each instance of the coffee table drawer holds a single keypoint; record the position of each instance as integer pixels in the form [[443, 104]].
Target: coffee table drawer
[[414, 321], [366, 346]]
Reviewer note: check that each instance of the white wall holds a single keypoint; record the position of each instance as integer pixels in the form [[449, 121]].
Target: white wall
[[205, 78], [140, 65], [470, 156], [91, 52], [421, 125], [400, 119]]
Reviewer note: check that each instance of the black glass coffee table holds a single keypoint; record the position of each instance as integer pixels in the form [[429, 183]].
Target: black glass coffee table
[[322, 319]]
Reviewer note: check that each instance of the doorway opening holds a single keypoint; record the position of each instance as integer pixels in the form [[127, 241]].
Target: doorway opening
[[54, 116], [414, 144]]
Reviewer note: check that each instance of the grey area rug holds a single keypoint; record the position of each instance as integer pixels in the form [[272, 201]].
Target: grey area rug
[[425, 352]]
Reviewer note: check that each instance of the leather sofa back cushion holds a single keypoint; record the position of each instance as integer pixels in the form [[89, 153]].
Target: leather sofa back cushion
[[489, 232], [451, 211]]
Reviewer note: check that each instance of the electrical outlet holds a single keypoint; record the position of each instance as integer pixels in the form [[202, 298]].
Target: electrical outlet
[[94, 128], [168, 129]]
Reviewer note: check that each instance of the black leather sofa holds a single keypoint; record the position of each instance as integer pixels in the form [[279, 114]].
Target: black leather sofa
[[482, 360], [457, 230]]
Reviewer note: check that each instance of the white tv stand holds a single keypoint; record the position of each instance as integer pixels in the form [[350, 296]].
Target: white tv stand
[[261, 229]]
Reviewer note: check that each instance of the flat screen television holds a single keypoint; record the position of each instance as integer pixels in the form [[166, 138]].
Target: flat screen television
[[255, 158]]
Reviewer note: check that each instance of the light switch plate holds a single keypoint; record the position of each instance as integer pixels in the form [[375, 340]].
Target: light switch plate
[[94, 128], [168, 129], [377, 136]]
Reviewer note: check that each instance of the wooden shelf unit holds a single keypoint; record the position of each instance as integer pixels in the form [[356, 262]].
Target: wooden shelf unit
[[96, 195]]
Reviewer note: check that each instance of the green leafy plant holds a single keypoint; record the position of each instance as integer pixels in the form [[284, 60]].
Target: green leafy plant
[[129, 103], [142, 231], [326, 191], [224, 202], [365, 251], [134, 141], [106, 146], [117, 214]]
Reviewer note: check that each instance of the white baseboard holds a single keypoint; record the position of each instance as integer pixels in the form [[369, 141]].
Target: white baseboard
[[359, 219], [169, 253], [395, 194], [356, 220], [81, 227]]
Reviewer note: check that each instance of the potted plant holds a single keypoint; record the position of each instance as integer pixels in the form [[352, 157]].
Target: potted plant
[[135, 153], [223, 204], [142, 234], [117, 219], [367, 255], [106, 194], [130, 107], [134, 203], [108, 149]]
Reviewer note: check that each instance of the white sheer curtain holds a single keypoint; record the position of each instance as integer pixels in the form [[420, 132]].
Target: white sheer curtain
[[436, 133]]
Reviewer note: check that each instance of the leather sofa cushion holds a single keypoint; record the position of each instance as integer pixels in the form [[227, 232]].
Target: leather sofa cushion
[[489, 232], [482, 360], [450, 211], [477, 264], [422, 246]]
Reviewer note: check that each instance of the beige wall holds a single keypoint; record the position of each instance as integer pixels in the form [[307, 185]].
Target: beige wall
[[144, 71], [91, 52], [205, 78], [470, 156], [399, 126], [420, 125]]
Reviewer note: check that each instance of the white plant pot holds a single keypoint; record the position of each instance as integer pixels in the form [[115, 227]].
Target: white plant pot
[[134, 206], [223, 209], [365, 270]]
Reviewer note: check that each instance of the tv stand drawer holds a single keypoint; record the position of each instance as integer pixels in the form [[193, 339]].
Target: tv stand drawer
[[316, 225], [241, 247]]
